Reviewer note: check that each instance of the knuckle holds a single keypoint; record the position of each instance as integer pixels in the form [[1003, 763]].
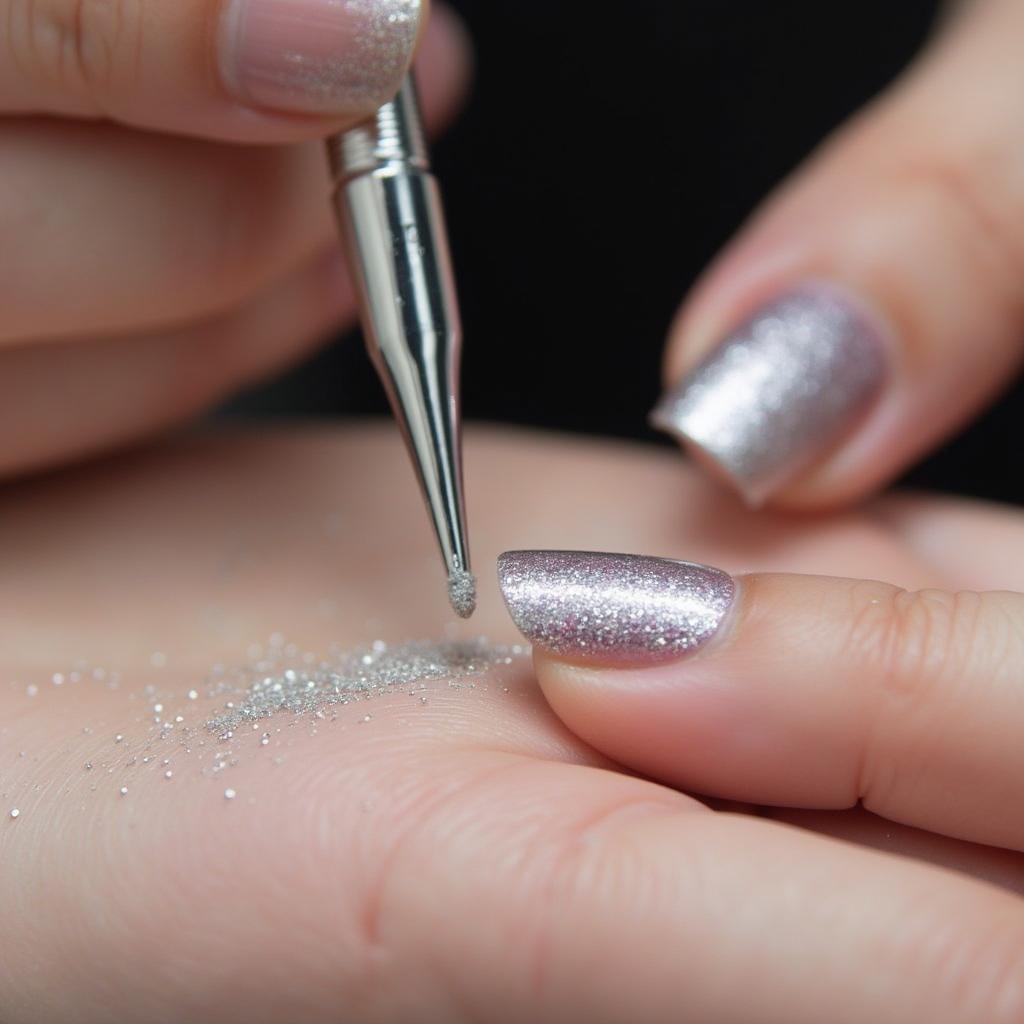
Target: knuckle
[[924, 655], [80, 47], [910, 641]]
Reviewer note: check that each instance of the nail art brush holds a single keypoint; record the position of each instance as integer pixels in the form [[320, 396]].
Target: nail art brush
[[389, 208]]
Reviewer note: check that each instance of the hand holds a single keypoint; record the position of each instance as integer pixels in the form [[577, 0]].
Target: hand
[[874, 304], [469, 858], [166, 239]]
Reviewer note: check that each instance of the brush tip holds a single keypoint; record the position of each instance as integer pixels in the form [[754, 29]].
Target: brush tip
[[462, 593]]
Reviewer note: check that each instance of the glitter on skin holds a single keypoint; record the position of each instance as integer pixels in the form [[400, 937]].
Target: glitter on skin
[[462, 593], [15, 813], [350, 676], [614, 609]]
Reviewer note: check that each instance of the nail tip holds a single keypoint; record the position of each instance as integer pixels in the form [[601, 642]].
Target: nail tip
[[750, 493]]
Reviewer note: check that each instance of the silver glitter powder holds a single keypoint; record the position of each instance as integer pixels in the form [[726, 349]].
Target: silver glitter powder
[[229, 794], [15, 813], [462, 593], [613, 609], [349, 676], [780, 391]]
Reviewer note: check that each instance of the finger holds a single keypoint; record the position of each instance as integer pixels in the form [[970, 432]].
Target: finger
[[64, 401], [980, 545], [253, 70], [1001, 867], [875, 304], [621, 905], [110, 230], [805, 691]]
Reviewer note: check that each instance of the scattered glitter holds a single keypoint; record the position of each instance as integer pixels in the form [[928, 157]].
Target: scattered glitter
[[193, 694], [179, 718], [88, 766], [347, 677], [124, 791], [118, 738], [58, 679], [31, 689], [168, 774], [15, 813], [229, 794], [158, 708]]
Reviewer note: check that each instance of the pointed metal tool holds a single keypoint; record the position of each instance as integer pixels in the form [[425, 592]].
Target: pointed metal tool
[[389, 207]]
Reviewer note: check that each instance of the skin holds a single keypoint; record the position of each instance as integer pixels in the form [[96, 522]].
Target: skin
[[464, 859], [192, 250]]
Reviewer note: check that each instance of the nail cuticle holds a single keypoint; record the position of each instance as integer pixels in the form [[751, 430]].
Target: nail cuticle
[[613, 609]]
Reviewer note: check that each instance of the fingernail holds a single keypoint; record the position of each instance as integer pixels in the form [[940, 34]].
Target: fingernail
[[780, 391], [330, 57], [614, 609]]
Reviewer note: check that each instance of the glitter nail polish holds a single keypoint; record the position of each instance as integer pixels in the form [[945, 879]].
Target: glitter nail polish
[[614, 609], [778, 392], [327, 57]]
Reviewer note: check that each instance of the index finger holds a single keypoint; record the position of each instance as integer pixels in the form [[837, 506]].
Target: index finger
[[248, 70]]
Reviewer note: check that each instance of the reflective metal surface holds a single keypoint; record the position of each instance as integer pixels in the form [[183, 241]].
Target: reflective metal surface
[[390, 210]]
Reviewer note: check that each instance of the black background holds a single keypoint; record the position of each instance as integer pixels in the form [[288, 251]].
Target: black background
[[606, 154]]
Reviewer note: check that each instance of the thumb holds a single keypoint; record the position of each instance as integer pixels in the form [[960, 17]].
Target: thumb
[[798, 691], [252, 70]]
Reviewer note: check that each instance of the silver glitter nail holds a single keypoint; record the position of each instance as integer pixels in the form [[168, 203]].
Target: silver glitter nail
[[780, 391], [613, 609]]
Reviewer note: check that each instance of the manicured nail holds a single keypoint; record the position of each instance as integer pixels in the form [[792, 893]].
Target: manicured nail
[[613, 609], [331, 57], [779, 391]]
